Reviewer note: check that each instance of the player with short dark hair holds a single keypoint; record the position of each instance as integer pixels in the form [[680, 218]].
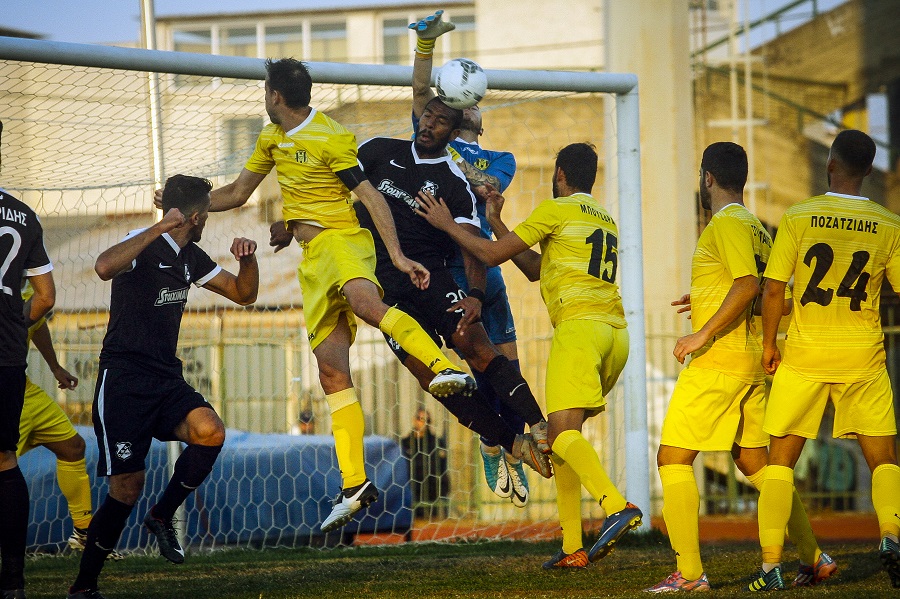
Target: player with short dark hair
[[504, 474], [719, 400], [315, 158], [400, 169], [22, 255], [838, 247], [141, 393], [577, 271]]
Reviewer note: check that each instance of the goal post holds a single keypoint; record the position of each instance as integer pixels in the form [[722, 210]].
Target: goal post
[[355, 79]]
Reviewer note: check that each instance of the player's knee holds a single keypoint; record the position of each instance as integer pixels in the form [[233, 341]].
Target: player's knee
[[74, 449], [209, 432], [478, 350], [127, 488]]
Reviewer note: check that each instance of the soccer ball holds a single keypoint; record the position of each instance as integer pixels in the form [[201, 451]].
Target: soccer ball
[[461, 83]]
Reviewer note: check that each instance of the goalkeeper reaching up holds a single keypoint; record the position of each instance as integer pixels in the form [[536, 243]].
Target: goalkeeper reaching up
[[505, 474]]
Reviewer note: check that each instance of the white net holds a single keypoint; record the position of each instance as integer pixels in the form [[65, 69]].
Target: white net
[[77, 146]]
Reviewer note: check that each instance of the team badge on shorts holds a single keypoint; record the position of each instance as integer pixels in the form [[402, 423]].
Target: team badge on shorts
[[123, 450]]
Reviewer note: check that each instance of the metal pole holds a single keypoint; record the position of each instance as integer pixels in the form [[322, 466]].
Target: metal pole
[[748, 111], [148, 33], [634, 376]]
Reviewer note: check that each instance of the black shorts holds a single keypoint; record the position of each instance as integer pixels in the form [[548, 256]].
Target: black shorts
[[427, 306], [130, 409], [12, 397]]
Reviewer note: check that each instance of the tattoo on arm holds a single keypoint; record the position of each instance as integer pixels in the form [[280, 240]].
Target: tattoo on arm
[[477, 177]]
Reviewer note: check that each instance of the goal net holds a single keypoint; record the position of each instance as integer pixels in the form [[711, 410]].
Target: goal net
[[86, 146]]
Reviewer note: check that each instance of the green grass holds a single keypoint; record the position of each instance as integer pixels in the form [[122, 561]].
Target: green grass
[[496, 570]]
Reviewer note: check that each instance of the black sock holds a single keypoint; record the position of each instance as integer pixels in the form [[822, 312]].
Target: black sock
[[191, 469], [474, 413], [512, 389], [103, 535], [13, 528], [515, 422]]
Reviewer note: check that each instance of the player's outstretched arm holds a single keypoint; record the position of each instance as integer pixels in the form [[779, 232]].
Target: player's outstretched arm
[[773, 305], [737, 300], [492, 253], [119, 257], [236, 193], [44, 343], [229, 196], [243, 288], [384, 222], [529, 261], [427, 31]]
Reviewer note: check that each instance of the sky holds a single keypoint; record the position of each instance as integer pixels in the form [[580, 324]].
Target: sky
[[115, 21]]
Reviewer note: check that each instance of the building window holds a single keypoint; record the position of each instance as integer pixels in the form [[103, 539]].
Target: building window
[[462, 40], [284, 41], [240, 138], [395, 40], [328, 42], [193, 40], [238, 41]]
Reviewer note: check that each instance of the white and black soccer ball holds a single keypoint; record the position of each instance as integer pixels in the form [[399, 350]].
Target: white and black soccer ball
[[461, 83]]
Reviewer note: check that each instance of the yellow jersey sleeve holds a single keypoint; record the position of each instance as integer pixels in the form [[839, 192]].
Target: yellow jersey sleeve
[[579, 259], [839, 250], [733, 245], [306, 159]]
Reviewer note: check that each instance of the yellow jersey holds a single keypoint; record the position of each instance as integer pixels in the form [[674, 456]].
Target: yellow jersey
[[306, 159], [734, 244], [838, 248], [579, 259]]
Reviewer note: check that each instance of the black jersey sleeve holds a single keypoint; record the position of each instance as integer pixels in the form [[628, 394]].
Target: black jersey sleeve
[[203, 268]]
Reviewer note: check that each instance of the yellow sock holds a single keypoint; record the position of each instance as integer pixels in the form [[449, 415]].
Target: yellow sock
[[886, 498], [798, 527], [76, 488], [568, 504], [775, 499], [416, 342], [681, 512], [575, 450], [348, 427]]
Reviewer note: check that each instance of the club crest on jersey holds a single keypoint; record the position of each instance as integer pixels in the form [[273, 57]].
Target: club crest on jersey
[[300, 156], [187, 273], [171, 297], [481, 164], [123, 450], [431, 187]]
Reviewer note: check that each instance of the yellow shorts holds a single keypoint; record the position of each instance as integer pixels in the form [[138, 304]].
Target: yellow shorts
[[331, 259], [711, 411], [796, 406], [43, 421], [586, 359]]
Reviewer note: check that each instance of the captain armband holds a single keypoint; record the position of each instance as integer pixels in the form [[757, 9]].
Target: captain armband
[[351, 177]]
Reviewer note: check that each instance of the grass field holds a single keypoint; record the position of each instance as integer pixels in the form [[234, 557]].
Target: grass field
[[501, 570]]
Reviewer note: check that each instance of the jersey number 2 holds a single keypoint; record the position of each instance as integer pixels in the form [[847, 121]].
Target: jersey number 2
[[13, 252], [604, 250], [853, 285]]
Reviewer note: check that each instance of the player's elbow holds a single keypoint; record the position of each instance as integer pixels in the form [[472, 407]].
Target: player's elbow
[[103, 269]]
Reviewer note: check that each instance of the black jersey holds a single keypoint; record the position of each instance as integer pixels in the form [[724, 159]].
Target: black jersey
[[395, 170], [22, 254], [147, 304]]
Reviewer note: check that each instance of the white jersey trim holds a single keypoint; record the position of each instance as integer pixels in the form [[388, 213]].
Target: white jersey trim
[[39, 270], [844, 195], [312, 113], [203, 281]]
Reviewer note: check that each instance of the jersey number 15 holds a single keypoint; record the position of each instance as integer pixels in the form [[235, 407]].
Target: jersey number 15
[[604, 251]]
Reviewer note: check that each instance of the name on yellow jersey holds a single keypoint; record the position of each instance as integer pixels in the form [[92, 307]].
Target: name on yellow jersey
[[594, 212], [845, 223]]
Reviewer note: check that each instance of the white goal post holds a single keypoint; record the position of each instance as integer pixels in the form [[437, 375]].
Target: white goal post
[[623, 87]]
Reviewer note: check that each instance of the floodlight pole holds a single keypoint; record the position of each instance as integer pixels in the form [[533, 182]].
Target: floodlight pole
[[637, 453]]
